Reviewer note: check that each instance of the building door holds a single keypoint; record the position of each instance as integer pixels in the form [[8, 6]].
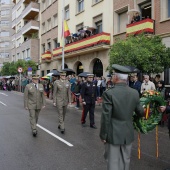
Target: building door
[[79, 68], [98, 68]]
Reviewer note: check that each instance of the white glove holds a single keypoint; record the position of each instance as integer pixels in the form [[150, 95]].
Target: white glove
[[54, 104], [84, 103]]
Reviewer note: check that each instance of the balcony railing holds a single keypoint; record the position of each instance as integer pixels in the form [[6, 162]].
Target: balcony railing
[[46, 57], [31, 10], [143, 26], [31, 27], [92, 41]]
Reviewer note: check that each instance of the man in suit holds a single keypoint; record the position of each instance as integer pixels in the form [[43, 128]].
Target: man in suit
[[117, 130], [136, 83], [34, 101], [61, 98], [89, 98]]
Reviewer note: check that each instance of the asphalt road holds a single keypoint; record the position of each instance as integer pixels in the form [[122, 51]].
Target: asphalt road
[[78, 149]]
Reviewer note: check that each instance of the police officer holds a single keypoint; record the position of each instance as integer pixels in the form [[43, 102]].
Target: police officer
[[34, 101], [88, 93], [61, 98]]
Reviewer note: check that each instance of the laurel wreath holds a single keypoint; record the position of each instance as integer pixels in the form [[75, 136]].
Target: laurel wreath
[[153, 99]]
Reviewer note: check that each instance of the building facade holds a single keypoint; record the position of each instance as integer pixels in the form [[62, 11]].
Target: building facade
[[25, 23], [83, 52], [5, 31]]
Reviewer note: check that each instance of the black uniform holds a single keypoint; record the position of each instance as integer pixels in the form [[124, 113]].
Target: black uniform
[[88, 93]]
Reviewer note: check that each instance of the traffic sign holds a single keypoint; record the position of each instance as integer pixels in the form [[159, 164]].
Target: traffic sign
[[20, 69]]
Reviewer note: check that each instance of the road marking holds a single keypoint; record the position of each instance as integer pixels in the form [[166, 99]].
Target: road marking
[[54, 135], [4, 94], [3, 103]]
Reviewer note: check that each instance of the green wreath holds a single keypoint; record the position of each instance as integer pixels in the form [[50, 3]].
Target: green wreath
[[151, 100]]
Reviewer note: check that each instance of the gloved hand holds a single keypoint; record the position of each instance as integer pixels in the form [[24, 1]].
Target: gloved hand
[[84, 103]]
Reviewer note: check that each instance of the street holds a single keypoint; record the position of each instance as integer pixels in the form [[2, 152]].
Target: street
[[79, 148]]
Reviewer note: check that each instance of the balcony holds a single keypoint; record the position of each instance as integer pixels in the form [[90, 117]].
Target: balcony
[[31, 11], [27, 1], [31, 27], [93, 43], [143, 26], [46, 57]]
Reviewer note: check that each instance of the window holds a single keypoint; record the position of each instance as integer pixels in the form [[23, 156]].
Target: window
[[4, 55], [5, 12], [80, 5], [55, 21], [56, 44], [79, 26], [43, 27], [49, 46], [168, 8], [4, 23], [165, 9], [49, 24], [48, 71], [5, 44], [99, 27], [42, 73], [67, 13], [5, 1], [18, 56], [4, 33], [28, 53], [43, 48], [121, 20], [23, 54]]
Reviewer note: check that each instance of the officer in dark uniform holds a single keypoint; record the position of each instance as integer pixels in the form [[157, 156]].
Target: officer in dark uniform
[[88, 93]]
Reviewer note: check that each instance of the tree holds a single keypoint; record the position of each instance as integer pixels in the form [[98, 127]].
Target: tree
[[148, 54], [12, 68]]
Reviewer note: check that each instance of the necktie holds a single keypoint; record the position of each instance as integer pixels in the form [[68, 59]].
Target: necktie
[[35, 86]]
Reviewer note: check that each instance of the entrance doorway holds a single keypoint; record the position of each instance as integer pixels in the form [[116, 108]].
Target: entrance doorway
[[79, 68], [98, 68]]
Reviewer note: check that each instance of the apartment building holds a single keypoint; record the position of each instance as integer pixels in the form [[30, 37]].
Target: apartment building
[[25, 23], [83, 52], [154, 19], [5, 31], [48, 35]]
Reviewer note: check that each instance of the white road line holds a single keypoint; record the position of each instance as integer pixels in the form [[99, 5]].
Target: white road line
[[3, 103], [4, 94], [54, 135]]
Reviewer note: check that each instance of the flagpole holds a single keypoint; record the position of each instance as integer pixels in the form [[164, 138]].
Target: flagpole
[[63, 39]]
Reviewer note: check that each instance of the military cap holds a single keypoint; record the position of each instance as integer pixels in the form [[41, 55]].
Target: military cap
[[62, 73], [90, 75], [120, 69], [35, 76]]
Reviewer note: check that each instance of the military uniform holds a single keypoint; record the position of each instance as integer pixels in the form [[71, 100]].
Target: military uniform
[[88, 93], [61, 97], [117, 129], [34, 100]]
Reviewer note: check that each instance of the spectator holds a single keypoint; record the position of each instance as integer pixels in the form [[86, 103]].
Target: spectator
[[147, 85], [136, 84]]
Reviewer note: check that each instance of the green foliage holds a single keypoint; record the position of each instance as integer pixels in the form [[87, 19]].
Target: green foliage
[[12, 68], [148, 54]]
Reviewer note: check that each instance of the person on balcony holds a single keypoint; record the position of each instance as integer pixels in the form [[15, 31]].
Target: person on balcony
[[137, 17]]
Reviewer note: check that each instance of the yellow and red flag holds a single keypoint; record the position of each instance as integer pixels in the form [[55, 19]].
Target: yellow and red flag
[[66, 29]]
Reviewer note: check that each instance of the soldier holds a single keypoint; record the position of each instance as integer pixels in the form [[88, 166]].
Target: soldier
[[61, 98], [88, 93], [34, 101], [117, 130]]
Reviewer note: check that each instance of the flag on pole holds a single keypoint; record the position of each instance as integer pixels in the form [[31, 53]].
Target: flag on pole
[[66, 29]]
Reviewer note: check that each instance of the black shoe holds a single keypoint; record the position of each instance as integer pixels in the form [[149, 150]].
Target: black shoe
[[62, 131], [34, 133], [93, 126], [58, 126]]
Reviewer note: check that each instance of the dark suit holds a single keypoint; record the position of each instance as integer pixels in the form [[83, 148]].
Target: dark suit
[[117, 129], [88, 93], [137, 85]]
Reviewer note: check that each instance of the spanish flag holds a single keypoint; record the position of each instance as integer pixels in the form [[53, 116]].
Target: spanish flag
[[66, 29]]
